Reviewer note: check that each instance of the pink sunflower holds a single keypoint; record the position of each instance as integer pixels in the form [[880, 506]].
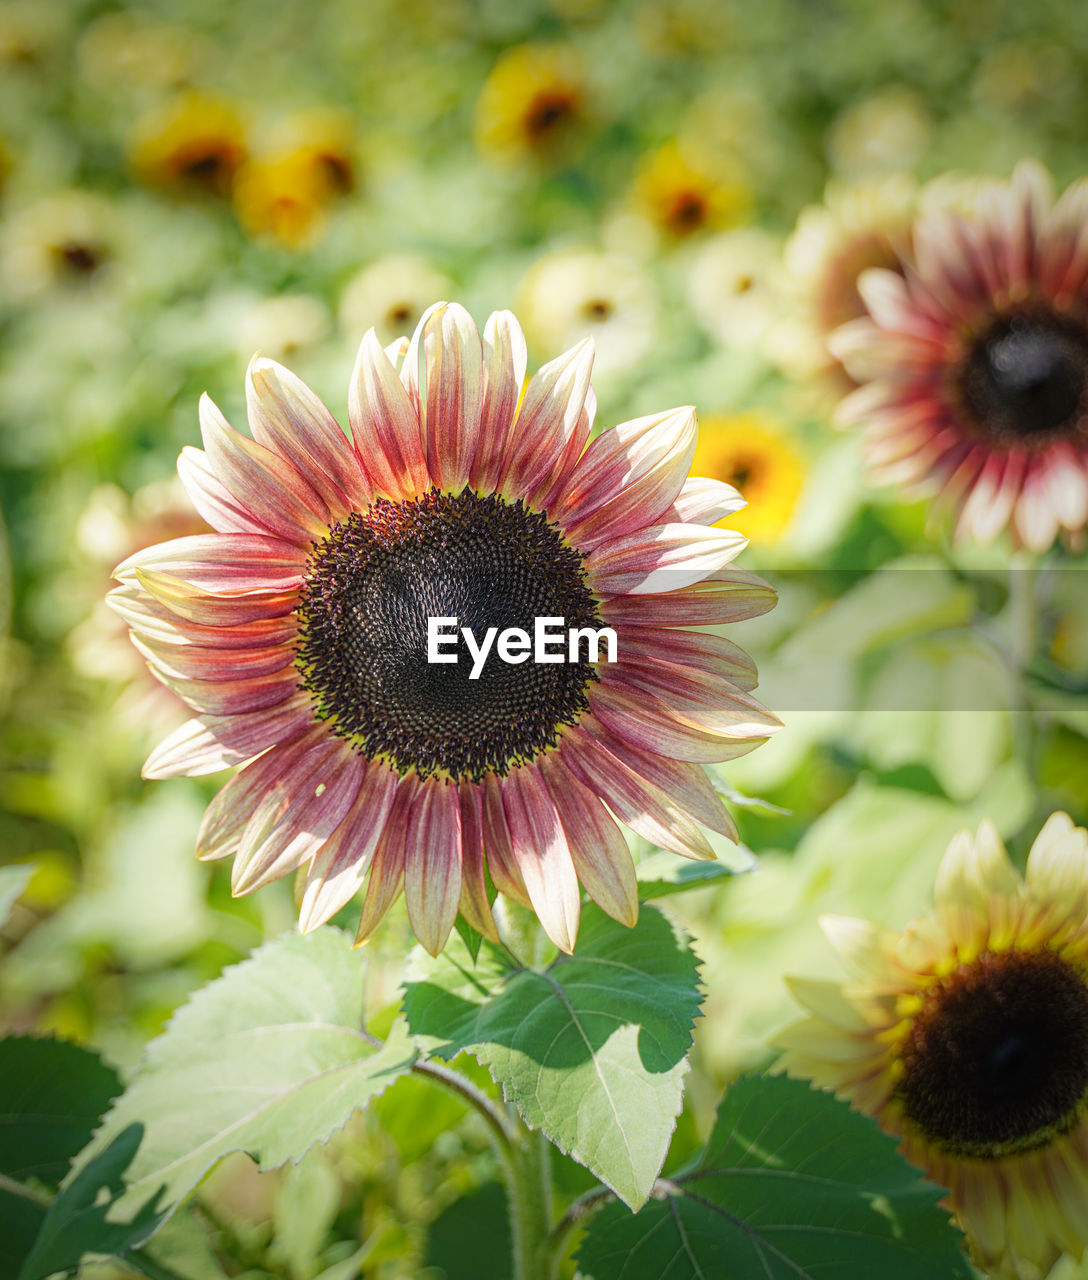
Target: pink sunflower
[[298, 632], [974, 368]]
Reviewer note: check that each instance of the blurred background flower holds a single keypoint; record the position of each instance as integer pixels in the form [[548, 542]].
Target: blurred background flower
[[701, 187]]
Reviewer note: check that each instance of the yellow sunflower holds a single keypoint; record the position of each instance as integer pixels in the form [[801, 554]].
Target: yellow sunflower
[[195, 141], [751, 452], [282, 197], [967, 1037], [530, 101], [683, 190]]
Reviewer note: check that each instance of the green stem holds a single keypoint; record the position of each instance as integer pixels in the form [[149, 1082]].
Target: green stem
[[525, 1158], [530, 1192]]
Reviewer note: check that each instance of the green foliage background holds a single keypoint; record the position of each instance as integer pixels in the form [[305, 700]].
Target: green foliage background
[[113, 924]]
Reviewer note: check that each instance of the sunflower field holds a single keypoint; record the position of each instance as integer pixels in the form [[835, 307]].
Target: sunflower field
[[543, 640]]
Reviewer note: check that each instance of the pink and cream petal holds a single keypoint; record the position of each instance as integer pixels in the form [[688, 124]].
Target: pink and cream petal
[[704, 501], [211, 498], [498, 845], [263, 482], [730, 595], [504, 364], [542, 854], [340, 865], [195, 605], [386, 878], [210, 743], [453, 355], [661, 558], [288, 418], [432, 868], [222, 563], [597, 847], [475, 902], [385, 425], [297, 815], [549, 418]]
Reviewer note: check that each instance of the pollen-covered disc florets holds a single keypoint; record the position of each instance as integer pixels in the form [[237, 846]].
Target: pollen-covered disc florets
[[974, 368], [967, 1037], [372, 587], [299, 634]]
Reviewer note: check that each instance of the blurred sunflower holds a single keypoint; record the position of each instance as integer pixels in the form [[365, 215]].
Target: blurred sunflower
[[62, 241], [530, 103], [298, 632], [858, 226], [579, 293], [195, 141], [326, 138], [389, 295], [732, 286], [684, 191], [967, 1037], [975, 367], [751, 452], [282, 197]]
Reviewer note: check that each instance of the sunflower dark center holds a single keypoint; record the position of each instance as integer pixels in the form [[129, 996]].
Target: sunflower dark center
[[547, 112], [1025, 378], [371, 587], [997, 1060]]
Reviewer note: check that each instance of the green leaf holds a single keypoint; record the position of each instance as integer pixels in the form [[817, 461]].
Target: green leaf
[[792, 1185], [53, 1095], [21, 1217], [76, 1224], [592, 1051], [270, 1059], [13, 882], [663, 874]]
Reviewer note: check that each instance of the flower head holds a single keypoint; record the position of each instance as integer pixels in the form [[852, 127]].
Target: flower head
[[193, 142], [299, 633], [752, 453], [967, 1037], [530, 102], [975, 366], [685, 191]]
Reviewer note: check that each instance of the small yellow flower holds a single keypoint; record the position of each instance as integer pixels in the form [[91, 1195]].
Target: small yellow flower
[[967, 1037], [325, 139], [751, 452], [195, 141], [529, 102], [282, 197], [683, 191]]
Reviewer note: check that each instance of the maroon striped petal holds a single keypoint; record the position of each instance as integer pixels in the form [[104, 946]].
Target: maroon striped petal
[[288, 418], [475, 902], [695, 650], [730, 595], [663, 557], [194, 662], [498, 845], [196, 605], [542, 854], [432, 869], [296, 815], [387, 866], [263, 482], [504, 361], [453, 356], [597, 846], [157, 624], [340, 865], [646, 809], [210, 743], [385, 425]]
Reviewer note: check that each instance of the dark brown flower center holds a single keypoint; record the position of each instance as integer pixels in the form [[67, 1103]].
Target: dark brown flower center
[[79, 257], [547, 112], [1026, 377], [373, 584], [997, 1060]]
